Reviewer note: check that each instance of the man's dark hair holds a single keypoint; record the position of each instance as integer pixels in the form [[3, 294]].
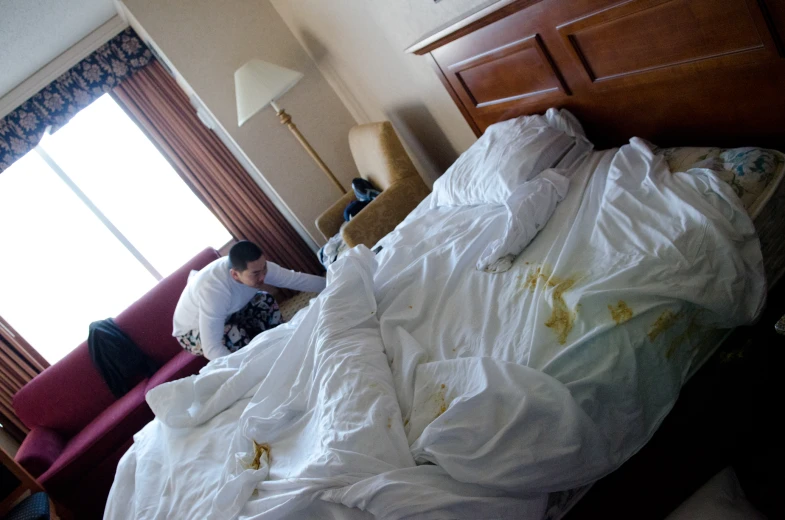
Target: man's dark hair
[[243, 252]]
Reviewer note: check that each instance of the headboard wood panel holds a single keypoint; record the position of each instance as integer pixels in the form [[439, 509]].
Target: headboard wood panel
[[678, 72]]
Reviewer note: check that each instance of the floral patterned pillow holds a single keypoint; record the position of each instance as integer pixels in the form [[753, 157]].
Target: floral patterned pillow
[[747, 170]]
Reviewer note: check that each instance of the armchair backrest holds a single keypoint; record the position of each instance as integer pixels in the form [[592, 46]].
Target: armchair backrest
[[379, 154]]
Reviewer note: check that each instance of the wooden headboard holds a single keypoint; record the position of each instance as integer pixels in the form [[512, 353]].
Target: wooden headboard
[[677, 72]]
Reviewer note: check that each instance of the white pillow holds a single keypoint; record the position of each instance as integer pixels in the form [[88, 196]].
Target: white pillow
[[508, 154]]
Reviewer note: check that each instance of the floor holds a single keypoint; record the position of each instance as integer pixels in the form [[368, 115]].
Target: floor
[[728, 414]]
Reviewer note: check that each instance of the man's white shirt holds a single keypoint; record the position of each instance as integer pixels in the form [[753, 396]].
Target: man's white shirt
[[212, 295]]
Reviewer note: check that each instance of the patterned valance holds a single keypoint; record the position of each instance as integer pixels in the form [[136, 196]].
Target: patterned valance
[[55, 105]]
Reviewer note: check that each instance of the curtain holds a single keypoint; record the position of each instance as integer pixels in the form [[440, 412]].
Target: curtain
[[19, 363], [58, 102], [162, 109]]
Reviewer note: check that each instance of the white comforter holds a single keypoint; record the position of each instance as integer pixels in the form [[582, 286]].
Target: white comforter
[[417, 386]]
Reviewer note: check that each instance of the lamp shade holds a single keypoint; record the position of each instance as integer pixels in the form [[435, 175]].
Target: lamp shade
[[258, 83]]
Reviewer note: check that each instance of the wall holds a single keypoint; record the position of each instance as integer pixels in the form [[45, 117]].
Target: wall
[[206, 41], [359, 46]]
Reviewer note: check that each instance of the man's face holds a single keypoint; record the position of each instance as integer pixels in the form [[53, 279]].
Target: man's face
[[254, 274]]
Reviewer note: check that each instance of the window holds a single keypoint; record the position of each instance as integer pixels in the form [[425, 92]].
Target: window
[[89, 221]]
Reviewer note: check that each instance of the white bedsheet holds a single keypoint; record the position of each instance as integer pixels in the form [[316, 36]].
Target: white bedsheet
[[540, 379]]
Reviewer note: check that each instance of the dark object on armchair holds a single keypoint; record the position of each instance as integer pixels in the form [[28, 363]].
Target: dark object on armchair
[[364, 192], [116, 356], [78, 429], [381, 160]]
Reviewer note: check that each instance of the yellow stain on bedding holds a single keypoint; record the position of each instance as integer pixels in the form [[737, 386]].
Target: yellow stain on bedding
[[259, 451], [532, 277], [562, 318], [665, 321], [440, 400], [529, 279], [621, 312]]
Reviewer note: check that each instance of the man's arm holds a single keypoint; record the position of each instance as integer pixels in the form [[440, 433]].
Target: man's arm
[[277, 276], [212, 318]]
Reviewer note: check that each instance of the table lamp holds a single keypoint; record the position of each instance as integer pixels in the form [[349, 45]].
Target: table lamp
[[258, 84]]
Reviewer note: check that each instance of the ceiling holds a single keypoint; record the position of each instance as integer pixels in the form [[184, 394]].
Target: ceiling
[[34, 32]]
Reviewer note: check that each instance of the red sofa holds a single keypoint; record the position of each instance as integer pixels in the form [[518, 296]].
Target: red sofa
[[78, 429]]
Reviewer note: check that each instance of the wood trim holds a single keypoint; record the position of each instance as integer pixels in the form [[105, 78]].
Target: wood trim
[[468, 23], [26, 482], [454, 96]]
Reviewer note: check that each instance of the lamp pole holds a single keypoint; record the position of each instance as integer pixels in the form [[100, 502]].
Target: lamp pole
[[286, 119]]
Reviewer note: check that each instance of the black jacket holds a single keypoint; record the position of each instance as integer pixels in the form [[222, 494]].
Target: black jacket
[[116, 357]]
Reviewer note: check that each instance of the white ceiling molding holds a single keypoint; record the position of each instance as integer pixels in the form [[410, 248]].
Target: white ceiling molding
[[55, 68]]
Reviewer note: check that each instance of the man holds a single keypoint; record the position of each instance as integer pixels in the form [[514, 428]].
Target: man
[[223, 307]]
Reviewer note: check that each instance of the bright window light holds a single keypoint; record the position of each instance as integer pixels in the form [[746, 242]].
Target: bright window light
[[62, 268]]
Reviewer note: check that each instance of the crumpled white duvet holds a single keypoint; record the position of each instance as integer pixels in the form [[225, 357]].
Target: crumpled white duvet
[[415, 386]]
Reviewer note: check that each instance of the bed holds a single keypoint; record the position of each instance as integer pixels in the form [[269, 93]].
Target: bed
[[424, 382]]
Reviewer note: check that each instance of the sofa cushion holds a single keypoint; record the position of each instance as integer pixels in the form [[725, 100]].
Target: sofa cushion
[[40, 450], [148, 322], [66, 396], [110, 429], [182, 365]]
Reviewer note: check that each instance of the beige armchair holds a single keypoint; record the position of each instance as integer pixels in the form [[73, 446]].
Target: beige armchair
[[382, 161]]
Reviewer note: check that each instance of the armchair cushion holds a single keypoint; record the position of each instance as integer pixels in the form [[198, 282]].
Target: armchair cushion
[[329, 222], [39, 450], [385, 212]]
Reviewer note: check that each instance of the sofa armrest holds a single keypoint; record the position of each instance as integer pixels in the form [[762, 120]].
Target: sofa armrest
[[329, 222], [40, 450], [386, 211]]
